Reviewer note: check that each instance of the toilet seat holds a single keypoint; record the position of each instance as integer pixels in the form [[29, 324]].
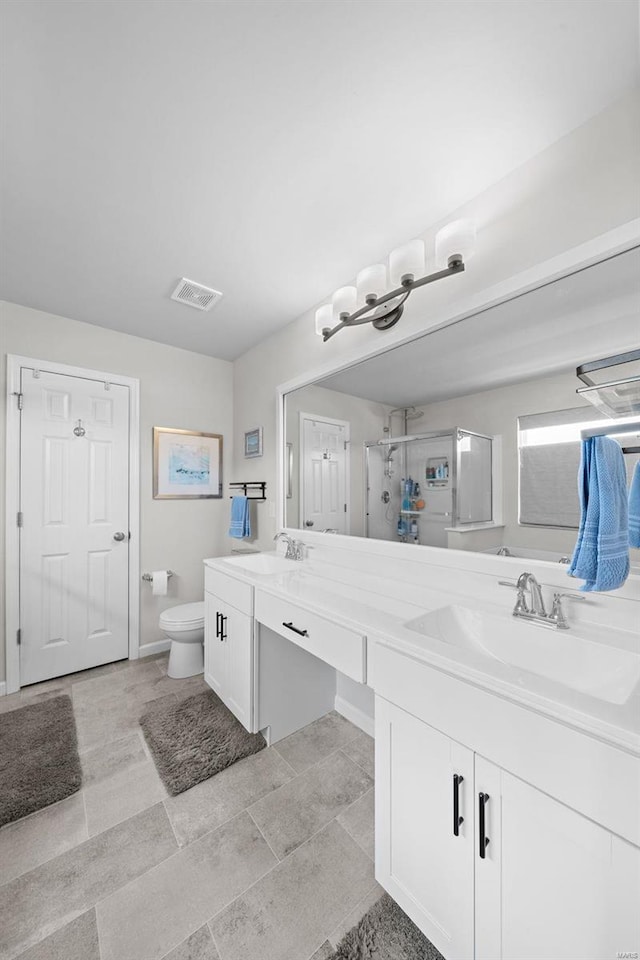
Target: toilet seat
[[186, 616]]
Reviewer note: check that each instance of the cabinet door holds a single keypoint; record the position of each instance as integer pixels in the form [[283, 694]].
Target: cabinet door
[[215, 651], [423, 859], [238, 634], [553, 885]]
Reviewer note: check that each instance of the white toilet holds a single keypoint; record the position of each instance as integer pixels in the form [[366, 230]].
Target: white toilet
[[184, 624]]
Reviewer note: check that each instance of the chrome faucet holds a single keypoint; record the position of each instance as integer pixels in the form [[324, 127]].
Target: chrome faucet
[[536, 610], [537, 601], [295, 548]]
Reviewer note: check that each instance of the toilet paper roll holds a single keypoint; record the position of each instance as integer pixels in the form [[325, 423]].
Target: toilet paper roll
[[159, 581]]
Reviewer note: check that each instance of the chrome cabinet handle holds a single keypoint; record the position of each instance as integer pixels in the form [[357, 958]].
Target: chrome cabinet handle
[[119, 536]]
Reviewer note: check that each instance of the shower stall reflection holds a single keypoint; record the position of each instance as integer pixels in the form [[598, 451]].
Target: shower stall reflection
[[420, 487]]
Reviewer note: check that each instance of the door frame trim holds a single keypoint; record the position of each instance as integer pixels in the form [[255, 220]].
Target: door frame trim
[[347, 470], [12, 503]]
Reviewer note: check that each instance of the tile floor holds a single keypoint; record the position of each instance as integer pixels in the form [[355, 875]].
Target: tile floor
[[272, 859]]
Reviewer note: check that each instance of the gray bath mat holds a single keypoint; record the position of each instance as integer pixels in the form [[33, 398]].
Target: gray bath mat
[[385, 933], [195, 738], [39, 761]]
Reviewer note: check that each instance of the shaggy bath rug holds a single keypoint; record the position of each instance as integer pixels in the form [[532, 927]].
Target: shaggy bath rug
[[195, 738], [39, 761], [385, 933]]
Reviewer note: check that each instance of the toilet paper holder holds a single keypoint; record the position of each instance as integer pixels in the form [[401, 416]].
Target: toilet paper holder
[[149, 578]]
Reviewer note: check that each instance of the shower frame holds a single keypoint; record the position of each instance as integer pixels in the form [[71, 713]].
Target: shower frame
[[456, 435]]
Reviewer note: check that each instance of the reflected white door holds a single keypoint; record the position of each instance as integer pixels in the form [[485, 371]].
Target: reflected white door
[[324, 502], [74, 543]]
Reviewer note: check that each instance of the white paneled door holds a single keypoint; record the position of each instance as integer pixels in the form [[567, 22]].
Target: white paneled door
[[74, 538], [323, 462]]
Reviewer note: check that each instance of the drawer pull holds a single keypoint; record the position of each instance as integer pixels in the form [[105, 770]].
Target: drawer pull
[[290, 626], [457, 819], [223, 627], [484, 839]]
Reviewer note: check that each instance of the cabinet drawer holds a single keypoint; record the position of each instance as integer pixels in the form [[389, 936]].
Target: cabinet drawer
[[341, 648], [232, 591]]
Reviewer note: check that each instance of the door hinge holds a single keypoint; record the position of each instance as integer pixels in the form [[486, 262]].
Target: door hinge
[[20, 518], [19, 636], [19, 399]]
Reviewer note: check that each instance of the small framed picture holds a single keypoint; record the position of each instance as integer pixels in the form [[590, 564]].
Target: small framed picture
[[253, 443], [187, 465]]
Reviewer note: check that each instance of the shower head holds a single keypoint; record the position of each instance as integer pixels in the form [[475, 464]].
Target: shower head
[[412, 413]]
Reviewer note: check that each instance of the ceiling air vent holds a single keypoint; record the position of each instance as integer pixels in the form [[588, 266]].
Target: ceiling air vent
[[195, 295]]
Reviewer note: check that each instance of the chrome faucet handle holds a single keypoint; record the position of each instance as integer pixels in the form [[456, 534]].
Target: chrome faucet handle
[[557, 613], [521, 600]]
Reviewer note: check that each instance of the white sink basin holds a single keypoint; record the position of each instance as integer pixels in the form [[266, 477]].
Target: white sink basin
[[606, 672], [262, 564]]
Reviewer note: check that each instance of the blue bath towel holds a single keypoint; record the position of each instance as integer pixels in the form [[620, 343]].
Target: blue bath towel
[[634, 508], [240, 523], [601, 555]]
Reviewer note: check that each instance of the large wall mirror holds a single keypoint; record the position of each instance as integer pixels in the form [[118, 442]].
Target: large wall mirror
[[469, 437]]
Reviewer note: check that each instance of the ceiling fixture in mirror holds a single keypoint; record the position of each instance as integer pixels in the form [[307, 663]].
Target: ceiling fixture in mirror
[[370, 301]]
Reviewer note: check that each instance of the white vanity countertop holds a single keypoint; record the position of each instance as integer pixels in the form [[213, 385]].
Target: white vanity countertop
[[368, 609]]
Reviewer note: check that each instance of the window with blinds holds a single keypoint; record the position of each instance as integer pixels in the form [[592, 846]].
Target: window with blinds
[[549, 457]]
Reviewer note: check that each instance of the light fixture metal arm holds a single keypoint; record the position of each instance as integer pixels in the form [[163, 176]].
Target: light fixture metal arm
[[391, 312]]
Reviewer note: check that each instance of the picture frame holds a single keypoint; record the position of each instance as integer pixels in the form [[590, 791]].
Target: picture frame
[[187, 464], [253, 443]]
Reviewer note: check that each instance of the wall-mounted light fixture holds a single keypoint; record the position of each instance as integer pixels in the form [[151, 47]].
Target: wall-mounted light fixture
[[371, 301]]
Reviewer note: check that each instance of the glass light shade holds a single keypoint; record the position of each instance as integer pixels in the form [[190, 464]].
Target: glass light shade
[[407, 260], [455, 239], [371, 282], [324, 318], [344, 301]]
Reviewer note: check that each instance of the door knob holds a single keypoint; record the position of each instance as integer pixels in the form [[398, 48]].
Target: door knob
[[119, 535], [308, 523]]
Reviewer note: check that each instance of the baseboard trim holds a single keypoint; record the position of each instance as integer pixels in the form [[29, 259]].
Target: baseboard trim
[[158, 646], [3, 688], [358, 717]]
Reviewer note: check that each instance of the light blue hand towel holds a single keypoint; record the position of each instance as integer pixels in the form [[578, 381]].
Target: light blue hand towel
[[240, 526], [601, 555], [634, 508]]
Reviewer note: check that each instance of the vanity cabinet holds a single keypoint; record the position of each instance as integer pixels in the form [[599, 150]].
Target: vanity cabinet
[[491, 867], [228, 654], [552, 884], [424, 827]]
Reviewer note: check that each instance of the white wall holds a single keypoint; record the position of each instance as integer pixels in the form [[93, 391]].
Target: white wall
[[366, 421], [579, 188], [177, 389]]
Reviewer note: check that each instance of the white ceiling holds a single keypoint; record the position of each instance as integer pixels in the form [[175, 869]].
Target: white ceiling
[[269, 148], [586, 316]]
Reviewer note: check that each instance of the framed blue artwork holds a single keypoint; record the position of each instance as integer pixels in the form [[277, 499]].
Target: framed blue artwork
[[253, 443], [187, 464]]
